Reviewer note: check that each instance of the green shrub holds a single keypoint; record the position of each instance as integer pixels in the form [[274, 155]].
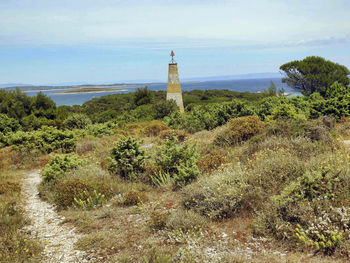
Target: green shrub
[[141, 113], [8, 124], [337, 90], [239, 129], [284, 111], [47, 139], [77, 121], [267, 105], [60, 164], [100, 129], [208, 117], [336, 107], [32, 122], [178, 160], [127, 159], [67, 190], [218, 196]]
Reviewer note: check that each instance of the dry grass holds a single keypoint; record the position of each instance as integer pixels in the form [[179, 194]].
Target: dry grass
[[15, 245]]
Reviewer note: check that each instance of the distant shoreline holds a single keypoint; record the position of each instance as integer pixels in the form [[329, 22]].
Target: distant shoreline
[[88, 90]]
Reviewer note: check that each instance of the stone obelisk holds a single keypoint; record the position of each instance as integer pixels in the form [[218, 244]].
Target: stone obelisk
[[173, 91]]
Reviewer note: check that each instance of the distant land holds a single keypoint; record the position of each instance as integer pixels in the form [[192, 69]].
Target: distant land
[[6, 85], [98, 88], [135, 83], [92, 89]]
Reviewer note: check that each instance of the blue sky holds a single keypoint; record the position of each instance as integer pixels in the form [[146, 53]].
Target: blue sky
[[106, 41]]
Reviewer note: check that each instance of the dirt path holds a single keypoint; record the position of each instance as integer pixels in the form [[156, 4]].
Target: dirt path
[[46, 225]]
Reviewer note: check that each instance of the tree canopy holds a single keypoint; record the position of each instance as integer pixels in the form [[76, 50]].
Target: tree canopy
[[314, 74]]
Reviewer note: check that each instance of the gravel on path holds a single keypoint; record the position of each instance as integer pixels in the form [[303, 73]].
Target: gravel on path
[[47, 225]]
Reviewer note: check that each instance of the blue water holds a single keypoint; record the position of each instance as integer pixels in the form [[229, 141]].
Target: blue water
[[249, 85]]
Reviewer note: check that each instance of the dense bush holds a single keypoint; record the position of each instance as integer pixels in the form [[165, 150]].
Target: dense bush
[[337, 90], [47, 139], [208, 117], [284, 111], [100, 129], [141, 113], [238, 130], [337, 107], [8, 125], [60, 164], [77, 121], [178, 160], [69, 189], [127, 159]]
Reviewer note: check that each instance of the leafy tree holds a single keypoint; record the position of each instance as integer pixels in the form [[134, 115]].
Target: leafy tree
[[165, 108], [142, 96], [43, 106], [15, 104], [314, 74]]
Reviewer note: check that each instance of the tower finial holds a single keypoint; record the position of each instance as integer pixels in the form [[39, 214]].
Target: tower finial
[[172, 54]]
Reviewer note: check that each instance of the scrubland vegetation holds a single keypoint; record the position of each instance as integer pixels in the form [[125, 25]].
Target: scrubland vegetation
[[236, 178]]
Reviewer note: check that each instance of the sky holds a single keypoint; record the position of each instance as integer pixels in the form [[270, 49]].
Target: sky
[[107, 41]]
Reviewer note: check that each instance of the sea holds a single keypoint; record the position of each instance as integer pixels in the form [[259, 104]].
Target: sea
[[241, 85]]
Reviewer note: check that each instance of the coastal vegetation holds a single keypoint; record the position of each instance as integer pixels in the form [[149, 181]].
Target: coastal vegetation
[[239, 177]]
